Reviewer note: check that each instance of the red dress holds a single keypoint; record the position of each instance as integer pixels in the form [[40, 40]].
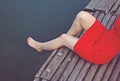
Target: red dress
[[98, 44]]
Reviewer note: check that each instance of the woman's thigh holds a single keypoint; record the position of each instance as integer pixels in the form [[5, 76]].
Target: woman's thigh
[[86, 19]]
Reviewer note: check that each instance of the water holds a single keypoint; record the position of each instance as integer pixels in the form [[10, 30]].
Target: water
[[41, 19]]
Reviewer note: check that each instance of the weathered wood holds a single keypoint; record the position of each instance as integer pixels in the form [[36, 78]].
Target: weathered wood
[[114, 11], [97, 13], [83, 71], [118, 11], [91, 73], [105, 5], [62, 67], [116, 72], [91, 6], [111, 22], [118, 77], [54, 64], [100, 17], [109, 70], [106, 19], [100, 72], [69, 68], [115, 7], [44, 80], [45, 65], [77, 70]]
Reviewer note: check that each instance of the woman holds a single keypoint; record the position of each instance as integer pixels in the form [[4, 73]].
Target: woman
[[97, 45]]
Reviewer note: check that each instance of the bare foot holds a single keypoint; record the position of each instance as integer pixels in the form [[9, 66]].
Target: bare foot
[[34, 44]]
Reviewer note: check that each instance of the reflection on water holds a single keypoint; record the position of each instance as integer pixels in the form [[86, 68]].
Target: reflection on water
[[41, 19]]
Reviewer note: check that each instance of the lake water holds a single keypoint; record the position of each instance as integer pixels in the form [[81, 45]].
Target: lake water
[[41, 19]]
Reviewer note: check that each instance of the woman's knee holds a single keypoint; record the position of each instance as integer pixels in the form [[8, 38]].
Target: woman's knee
[[63, 36], [85, 19], [68, 40], [82, 15]]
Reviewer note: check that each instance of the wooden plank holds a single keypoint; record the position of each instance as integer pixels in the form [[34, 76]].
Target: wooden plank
[[116, 71], [54, 64], [118, 77], [92, 4], [97, 13], [106, 19], [69, 68], [100, 72], [83, 71], [44, 65], [36, 79], [105, 5], [118, 11], [62, 67], [111, 22], [77, 70], [109, 70], [91, 73], [114, 11], [115, 7], [43, 80], [100, 17]]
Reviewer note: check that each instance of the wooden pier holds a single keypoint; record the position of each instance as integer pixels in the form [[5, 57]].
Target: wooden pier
[[64, 65]]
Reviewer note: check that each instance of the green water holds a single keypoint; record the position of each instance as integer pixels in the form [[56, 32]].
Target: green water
[[41, 19]]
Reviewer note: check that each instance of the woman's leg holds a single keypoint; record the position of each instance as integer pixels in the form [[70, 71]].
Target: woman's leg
[[83, 20], [64, 40]]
